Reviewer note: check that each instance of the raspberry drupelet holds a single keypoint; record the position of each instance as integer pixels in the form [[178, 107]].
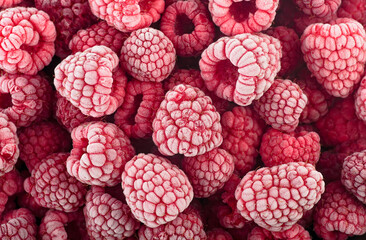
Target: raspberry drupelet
[[18, 224], [155, 189], [9, 145], [355, 9], [9, 3], [186, 123], [296, 232], [319, 8]]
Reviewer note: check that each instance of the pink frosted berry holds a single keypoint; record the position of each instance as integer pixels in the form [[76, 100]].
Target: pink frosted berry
[[355, 9], [92, 81], [275, 198], [336, 54], [11, 183], [9, 3], [186, 123], [100, 152], [19, 224], [163, 189], [360, 100], [282, 105], [241, 68], [148, 55], [296, 232], [218, 234], [319, 8], [27, 39], [9, 149]]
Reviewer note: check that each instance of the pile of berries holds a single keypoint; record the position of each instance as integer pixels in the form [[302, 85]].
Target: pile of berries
[[183, 119]]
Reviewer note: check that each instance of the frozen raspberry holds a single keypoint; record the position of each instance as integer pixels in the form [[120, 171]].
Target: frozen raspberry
[[279, 148], [186, 123], [275, 198], [3, 201], [52, 187], [11, 183], [336, 54], [242, 130], [282, 105], [339, 214], [302, 21], [92, 81], [208, 172], [330, 165], [241, 68], [188, 26], [163, 189], [350, 147], [129, 15], [18, 224], [25, 98], [9, 150], [319, 8], [27, 39], [243, 16], [355, 9], [148, 55], [100, 152], [138, 110], [41, 139], [9, 3], [218, 234], [360, 100], [25, 200], [296, 232], [98, 34]]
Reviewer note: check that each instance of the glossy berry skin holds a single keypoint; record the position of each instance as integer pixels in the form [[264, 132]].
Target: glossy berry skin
[[19, 224], [9, 145]]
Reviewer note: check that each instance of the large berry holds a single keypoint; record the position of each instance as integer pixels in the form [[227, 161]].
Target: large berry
[[18, 224]]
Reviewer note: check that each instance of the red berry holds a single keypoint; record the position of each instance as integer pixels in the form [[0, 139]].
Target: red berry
[[296, 232], [25, 200], [319, 8], [9, 145], [360, 100], [218, 234], [18, 224], [355, 9], [9, 3]]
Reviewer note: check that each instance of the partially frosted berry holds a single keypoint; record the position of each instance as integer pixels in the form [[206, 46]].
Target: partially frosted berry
[[9, 149], [139, 107], [11, 183], [355, 9], [218, 234], [27, 38], [339, 214], [92, 81], [25, 200], [243, 16], [52, 187], [302, 21], [9, 3], [275, 198], [282, 105], [241, 68], [336, 54], [163, 189], [148, 55], [186, 123], [279, 148], [330, 165], [360, 100], [18, 224], [208, 172], [100, 152], [319, 8], [296, 232]]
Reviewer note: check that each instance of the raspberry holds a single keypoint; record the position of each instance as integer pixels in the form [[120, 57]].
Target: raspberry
[[138, 110], [9, 3], [52, 187], [163, 189], [98, 34], [92, 81], [27, 39], [100, 152], [107, 217], [25, 200], [296, 232], [148, 55], [275, 198], [188, 26], [18, 224], [339, 214], [129, 15], [282, 105], [279, 148], [9, 150], [319, 8], [355, 9], [242, 130], [244, 16], [337, 56], [218, 234], [208, 172], [302, 21], [186, 123], [360, 100], [241, 68], [11, 183], [41, 139], [330, 165]]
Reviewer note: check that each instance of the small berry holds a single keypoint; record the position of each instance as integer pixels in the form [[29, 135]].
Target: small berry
[[319, 8], [296, 232], [9, 145], [218, 234], [355, 9], [19, 224]]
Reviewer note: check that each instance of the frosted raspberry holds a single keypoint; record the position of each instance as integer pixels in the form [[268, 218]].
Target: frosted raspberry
[[98, 34], [360, 100], [279, 148], [9, 150], [138, 110], [186, 123], [100, 152], [337, 56], [163, 189], [129, 15], [296, 232], [92, 81], [355, 9], [241, 68], [188, 26], [243, 16], [275, 198], [242, 130], [339, 214], [3, 201], [18, 224], [25, 200], [107, 217], [218, 234], [350, 147], [41, 139], [282, 105], [9, 3], [52, 187], [148, 55], [319, 8], [302, 21], [208, 172], [25, 98], [330, 165], [27, 37], [11, 183]]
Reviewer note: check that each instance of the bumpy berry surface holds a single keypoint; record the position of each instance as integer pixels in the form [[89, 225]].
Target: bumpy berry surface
[[296, 232], [360, 100], [18, 224], [275, 198], [11, 183], [25, 200], [319, 8], [355, 9], [9, 148], [100, 152], [218, 234], [163, 189], [186, 123], [9, 3]]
